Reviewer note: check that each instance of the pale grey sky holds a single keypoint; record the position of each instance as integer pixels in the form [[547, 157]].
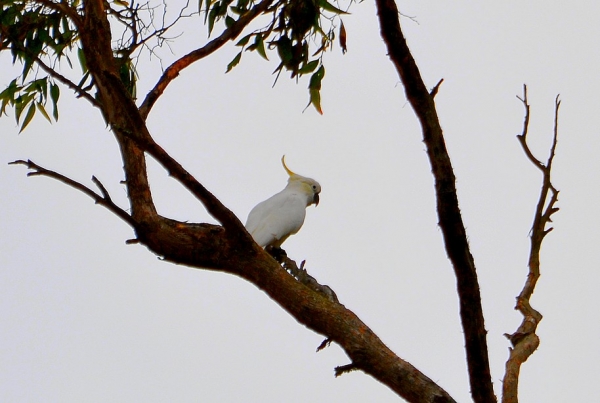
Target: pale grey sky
[[87, 318]]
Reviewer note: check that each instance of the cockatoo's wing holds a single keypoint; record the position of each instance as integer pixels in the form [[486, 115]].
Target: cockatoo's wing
[[272, 221]]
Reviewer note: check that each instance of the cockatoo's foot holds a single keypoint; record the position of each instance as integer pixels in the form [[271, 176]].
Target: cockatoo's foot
[[278, 253]]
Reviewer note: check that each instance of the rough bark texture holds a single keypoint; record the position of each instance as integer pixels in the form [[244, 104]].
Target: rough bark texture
[[450, 220], [227, 247]]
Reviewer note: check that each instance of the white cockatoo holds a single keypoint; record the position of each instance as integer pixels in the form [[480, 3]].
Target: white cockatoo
[[272, 221]]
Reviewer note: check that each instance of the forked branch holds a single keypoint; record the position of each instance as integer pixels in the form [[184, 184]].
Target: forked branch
[[102, 199], [524, 340]]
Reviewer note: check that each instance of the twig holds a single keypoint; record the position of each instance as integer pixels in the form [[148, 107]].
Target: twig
[[175, 68], [59, 77], [435, 89], [523, 136], [104, 200], [524, 340]]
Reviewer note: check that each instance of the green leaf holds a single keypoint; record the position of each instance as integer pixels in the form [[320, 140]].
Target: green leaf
[[82, 61], [26, 67], [20, 103], [260, 46], [309, 67], [284, 48], [315, 99], [314, 88], [54, 95], [28, 117], [212, 16], [325, 5], [244, 40], [83, 79], [229, 21], [207, 4], [234, 62], [8, 95], [241, 6], [316, 78], [43, 111]]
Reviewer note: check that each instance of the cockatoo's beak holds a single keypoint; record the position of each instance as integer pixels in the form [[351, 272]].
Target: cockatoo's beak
[[316, 199]]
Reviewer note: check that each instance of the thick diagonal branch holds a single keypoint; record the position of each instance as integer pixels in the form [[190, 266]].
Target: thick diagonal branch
[[229, 247], [130, 128], [450, 220], [525, 341]]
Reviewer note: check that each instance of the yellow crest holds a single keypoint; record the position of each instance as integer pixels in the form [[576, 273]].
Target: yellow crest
[[289, 171]]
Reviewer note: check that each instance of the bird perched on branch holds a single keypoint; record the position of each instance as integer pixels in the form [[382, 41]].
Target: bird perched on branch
[[272, 221]]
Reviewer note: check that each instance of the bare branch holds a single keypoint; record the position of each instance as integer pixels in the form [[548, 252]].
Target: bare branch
[[104, 200], [450, 219], [524, 340], [175, 68], [523, 136], [102, 189]]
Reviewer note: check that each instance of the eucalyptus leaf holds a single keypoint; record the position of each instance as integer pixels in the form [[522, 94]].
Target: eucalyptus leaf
[[28, 117], [234, 62]]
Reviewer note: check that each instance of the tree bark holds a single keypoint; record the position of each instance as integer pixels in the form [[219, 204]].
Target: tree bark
[[450, 220], [524, 340], [228, 247]]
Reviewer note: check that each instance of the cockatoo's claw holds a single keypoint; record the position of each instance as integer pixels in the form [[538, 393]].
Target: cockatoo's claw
[[278, 253]]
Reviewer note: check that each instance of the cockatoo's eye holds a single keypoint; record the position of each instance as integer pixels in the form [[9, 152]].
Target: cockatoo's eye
[[315, 187]]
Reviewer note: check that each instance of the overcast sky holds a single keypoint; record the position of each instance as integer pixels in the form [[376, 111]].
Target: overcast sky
[[86, 317]]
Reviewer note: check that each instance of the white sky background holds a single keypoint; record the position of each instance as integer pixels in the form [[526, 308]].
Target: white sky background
[[87, 318]]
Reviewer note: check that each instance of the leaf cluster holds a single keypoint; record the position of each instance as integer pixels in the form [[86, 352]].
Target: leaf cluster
[[296, 28], [41, 34], [31, 32], [30, 97]]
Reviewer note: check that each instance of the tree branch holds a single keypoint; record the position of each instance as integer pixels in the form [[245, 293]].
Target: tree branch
[[126, 121], [103, 200], [524, 340], [213, 205], [227, 248], [64, 8], [450, 220], [320, 313], [174, 69], [59, 77], [301, 274]]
